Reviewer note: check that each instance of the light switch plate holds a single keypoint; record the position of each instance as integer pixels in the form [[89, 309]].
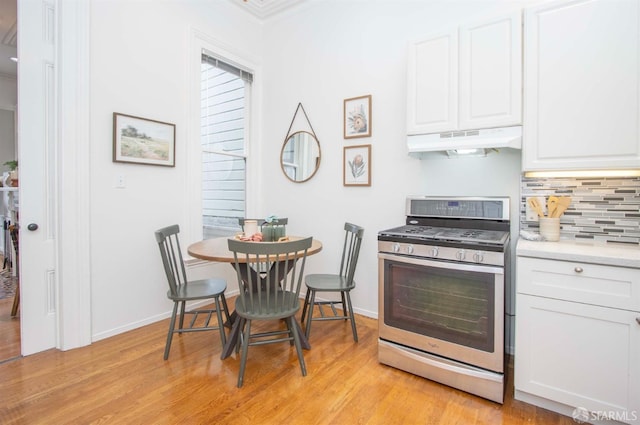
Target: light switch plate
[[121, 181], [530, 214]]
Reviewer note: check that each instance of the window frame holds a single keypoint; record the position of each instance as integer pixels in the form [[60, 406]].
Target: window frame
[[201, 43]]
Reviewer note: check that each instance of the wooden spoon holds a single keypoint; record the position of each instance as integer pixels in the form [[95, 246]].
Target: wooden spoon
[[533, 203], [552, 206], [563, 204]]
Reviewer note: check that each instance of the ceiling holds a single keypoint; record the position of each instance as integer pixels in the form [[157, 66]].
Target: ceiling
[[8, 36], [262, 9]]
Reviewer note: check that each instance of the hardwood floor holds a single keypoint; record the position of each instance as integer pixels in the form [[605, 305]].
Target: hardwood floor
[[9, 332], [123, 380]]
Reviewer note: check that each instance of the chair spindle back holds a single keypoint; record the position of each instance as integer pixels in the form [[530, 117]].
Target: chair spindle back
[[277, 288], [172, 259]]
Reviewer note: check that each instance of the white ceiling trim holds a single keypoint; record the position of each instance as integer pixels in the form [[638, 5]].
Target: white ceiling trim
[[264, 9]]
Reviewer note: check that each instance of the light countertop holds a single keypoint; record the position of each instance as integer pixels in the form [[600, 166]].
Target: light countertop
[[588, 252]]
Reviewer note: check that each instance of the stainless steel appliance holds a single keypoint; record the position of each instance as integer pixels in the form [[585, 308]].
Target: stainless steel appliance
[[441, 292]]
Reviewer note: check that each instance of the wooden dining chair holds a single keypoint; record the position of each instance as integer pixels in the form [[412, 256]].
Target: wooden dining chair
[[342, 283], [13, 231], [270, 296], [182, 291]]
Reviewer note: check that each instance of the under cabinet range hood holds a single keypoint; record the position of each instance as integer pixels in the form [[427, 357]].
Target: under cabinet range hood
[[465, 141]]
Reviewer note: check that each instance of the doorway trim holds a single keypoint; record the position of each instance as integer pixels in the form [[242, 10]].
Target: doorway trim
[[74, 224]]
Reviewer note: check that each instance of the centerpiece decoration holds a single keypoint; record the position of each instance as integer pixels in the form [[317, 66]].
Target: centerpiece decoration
[[272, 230]]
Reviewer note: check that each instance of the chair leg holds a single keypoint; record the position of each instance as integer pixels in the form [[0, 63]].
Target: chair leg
[[16, 300], [306, 305], [312, 301], [226, 308], [344, 306], [296, 341], [352, 317], [245, 351], [223, 337], [183, 305], [172, 325]]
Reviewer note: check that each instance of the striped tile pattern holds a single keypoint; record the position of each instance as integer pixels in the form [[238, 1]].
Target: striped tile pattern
[[605, 210]]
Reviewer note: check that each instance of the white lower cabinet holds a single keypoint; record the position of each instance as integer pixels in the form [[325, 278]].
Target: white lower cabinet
[[578, 339]]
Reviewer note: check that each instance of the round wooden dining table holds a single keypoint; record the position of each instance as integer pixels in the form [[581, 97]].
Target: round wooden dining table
[[217, 249]]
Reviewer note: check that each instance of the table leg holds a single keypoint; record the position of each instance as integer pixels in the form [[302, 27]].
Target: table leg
[[232, 339]]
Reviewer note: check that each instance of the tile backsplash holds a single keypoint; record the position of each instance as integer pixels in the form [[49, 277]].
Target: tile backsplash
[[605, 210]]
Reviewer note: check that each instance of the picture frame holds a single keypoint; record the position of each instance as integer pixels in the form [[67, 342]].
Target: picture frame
[[143, 141], [357, 117], [356, 169]]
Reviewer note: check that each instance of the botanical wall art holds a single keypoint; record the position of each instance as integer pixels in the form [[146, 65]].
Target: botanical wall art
[[143, 141], [357, 117], [357, 165]]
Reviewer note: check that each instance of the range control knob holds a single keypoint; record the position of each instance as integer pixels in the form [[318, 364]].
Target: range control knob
[[434, 252], [460, 255], [409, 249], [478, 257], [395, 247]]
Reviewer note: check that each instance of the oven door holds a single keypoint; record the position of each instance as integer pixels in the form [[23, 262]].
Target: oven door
[[453, 310]]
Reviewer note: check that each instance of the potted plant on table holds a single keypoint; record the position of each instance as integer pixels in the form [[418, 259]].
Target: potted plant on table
[[272, 230], [13, 172]]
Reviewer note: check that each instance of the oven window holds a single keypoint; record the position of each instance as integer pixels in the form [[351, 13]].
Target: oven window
[[450, 305]]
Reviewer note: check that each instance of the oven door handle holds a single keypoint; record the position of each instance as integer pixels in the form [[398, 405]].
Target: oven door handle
[[442, 264]]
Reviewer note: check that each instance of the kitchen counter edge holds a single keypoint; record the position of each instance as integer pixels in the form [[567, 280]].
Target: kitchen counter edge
[[621, 256]]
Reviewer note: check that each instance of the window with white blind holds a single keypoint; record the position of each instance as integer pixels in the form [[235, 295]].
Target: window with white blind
[[225, 96]]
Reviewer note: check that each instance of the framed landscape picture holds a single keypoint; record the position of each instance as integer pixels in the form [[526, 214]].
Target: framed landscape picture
[[357, 166], [143, 141], [357, 117]]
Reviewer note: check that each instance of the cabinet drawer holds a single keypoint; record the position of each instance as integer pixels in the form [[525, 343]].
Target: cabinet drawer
[[608, 286]]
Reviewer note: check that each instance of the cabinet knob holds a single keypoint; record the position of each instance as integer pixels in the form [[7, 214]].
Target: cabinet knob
[[578, 270]]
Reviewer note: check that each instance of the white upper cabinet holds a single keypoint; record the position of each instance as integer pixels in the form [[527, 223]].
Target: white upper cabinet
[[582, 85], [467, 78], [491, 73], [433, 84]]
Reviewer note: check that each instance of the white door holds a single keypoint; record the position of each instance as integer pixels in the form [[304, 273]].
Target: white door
[[582, 85], [37, 157], [491, 73], [432, 80], [579, 355]]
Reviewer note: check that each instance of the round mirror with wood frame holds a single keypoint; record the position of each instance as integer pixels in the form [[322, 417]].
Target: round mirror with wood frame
[[300, 156]]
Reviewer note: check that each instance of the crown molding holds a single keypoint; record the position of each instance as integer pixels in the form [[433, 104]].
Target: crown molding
[[264, 9]]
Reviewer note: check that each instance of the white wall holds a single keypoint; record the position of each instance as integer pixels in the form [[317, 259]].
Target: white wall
[[8, 92], [328, 51], [139, 66], [7, 137]]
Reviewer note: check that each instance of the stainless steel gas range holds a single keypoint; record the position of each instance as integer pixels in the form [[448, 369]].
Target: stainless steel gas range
[[441, 292]]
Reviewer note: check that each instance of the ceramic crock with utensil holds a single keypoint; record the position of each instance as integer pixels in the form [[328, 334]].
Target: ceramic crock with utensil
[[550, 224], [550, 228]]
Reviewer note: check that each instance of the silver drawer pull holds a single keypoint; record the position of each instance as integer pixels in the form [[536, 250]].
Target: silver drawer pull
[[578, 270]]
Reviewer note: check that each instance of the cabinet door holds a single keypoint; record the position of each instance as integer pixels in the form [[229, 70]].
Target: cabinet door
[[433, 84], [578, 355], [491, 73], [582, 85]]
